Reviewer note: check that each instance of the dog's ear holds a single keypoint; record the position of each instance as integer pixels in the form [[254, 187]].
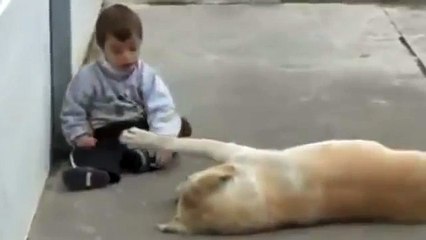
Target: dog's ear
[[208, 183], [205, 185], [212, 181], [225, 177], [226, 172]]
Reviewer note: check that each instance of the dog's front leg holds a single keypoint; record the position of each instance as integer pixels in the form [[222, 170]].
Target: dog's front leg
[[217, 150]]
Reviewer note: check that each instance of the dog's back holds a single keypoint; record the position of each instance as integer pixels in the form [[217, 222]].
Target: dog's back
[[366, 180]]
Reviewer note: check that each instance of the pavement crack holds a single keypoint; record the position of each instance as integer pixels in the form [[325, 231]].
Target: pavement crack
[[403, 40]]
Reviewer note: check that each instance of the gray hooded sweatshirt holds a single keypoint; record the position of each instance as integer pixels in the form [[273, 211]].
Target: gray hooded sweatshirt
[[98, 95]]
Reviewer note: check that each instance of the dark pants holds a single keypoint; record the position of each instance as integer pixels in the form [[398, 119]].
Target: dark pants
[[111, 156]]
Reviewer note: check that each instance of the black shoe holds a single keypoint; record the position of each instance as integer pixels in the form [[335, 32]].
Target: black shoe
[[185, 128], [85, 178], [138, 161]]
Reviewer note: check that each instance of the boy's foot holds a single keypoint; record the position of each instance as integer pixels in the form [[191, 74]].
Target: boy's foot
[[185, 129], [85, 178], [138, 161]]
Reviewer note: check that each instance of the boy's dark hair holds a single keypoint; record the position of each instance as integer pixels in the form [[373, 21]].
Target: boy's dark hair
[[119, 21]]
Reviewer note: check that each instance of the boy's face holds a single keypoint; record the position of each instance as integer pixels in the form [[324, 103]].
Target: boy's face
[[122, 55]]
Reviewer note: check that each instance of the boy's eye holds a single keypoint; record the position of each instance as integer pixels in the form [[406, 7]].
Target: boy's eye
[[133, 49]]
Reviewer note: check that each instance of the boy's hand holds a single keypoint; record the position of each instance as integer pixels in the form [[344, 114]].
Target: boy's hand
[[86, 141]]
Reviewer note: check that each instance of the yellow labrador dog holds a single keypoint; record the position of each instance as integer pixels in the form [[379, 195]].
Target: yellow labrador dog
[[255, 190]]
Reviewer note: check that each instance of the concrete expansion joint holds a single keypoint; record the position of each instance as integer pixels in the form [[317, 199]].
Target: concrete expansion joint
[[403, 40]]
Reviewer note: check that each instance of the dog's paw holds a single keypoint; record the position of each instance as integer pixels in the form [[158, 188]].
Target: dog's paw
[[137, 138], [167, 228], [163, 227], [172, 227]]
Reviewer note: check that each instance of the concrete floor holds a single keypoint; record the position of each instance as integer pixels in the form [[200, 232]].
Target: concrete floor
[[266, 76]]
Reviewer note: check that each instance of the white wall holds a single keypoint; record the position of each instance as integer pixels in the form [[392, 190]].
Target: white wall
[[25, 113], [83, 18]]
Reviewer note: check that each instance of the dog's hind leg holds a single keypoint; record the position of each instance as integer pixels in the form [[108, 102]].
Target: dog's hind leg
[[217, 150]]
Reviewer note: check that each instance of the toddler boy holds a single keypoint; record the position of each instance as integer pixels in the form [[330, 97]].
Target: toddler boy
[[110, 95]]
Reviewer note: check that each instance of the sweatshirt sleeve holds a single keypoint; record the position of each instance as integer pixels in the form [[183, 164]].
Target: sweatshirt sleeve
[[73, 114], [159, 105]]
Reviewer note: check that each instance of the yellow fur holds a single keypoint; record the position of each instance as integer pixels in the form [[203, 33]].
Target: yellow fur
[[255, 190]]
